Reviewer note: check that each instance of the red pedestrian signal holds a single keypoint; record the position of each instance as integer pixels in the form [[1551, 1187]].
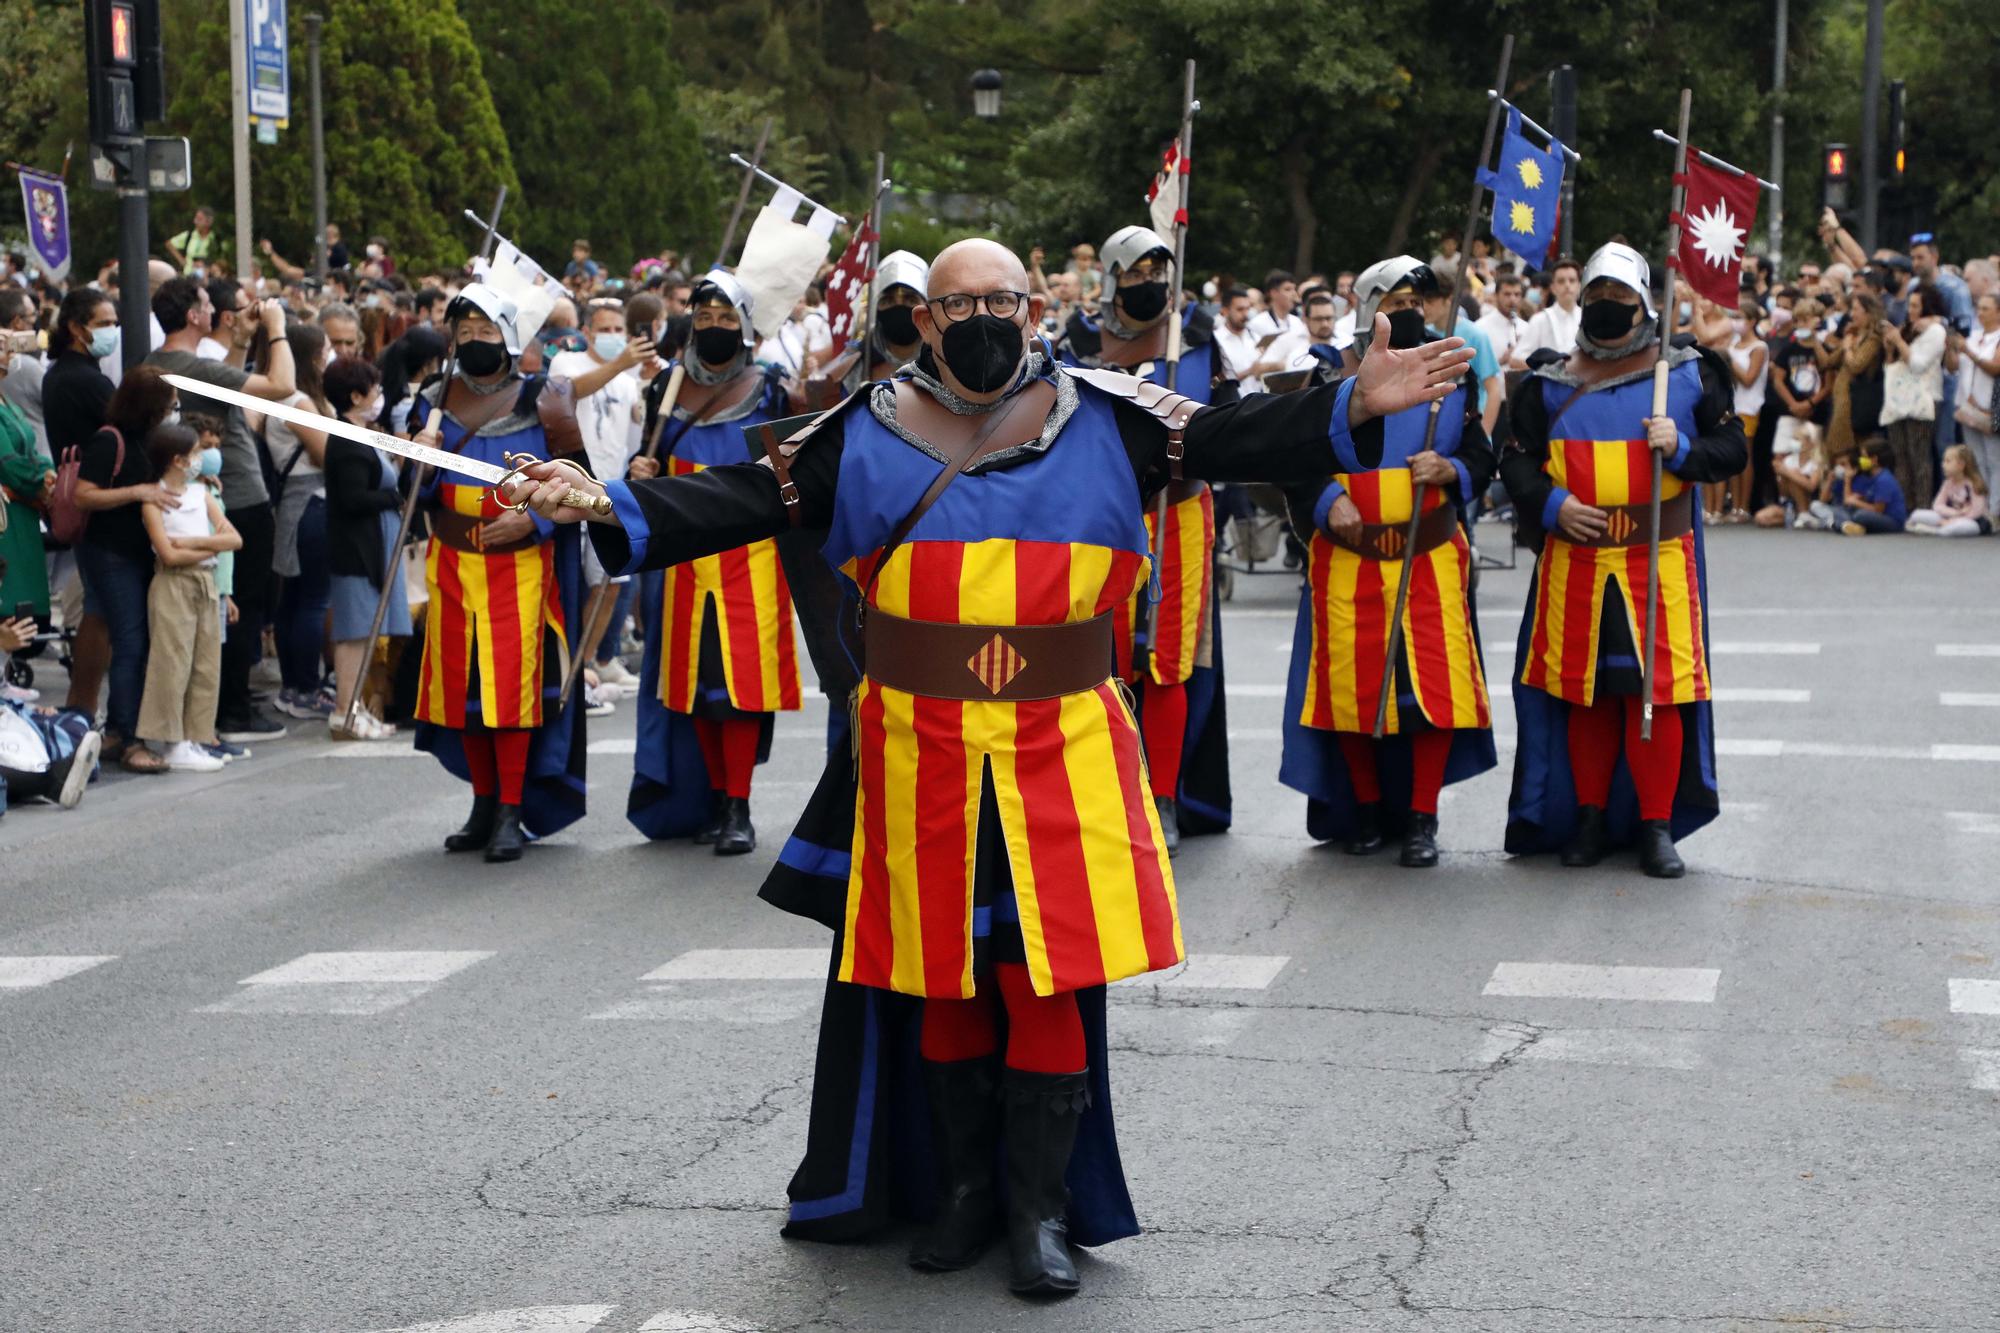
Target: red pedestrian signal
[[124, 43], [1836, 162]]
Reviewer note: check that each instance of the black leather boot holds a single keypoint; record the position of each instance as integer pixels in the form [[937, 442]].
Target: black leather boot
[[508, 839], [1657, 856], [712, 830], [1170, 822], [478, 828], [1420, 841], [1367, 839], [1042, 1113], [736, 835], [1586, 843], [965, 1130]]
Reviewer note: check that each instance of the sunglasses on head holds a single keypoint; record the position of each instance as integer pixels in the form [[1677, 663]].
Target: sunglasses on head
[[1923, 238]]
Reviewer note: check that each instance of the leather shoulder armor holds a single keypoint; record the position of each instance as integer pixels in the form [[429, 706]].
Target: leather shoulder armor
[[1173, 410]]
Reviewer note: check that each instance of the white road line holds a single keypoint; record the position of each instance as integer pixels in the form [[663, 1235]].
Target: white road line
[[692, 1321], [1743, 695], [32, 970], [1598, 1046], [1752, 747], [1982, 1067], [351, 983], [712, 1002], [530, 1319], [1976, 754], [1225, 971], [1952, 699], [1974, 995], [744, 965], [1238, 691], [1968, 650], [1745, 648], [614, 745], [369, 750], [1973, 821], [1582, 981], [1739, 745]]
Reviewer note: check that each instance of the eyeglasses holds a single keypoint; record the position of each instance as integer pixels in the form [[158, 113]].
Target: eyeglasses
[[959, 306]]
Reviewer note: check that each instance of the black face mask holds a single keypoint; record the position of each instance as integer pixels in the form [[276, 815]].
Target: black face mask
[[1606, 320], [717, 344], [983, 352], [482, 359], [898, 324], [1406, 329], [1143, 300]]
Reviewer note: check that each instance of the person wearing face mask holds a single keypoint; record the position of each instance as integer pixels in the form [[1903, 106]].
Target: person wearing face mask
[[361, 522], [892, 335], [1167, 648], [1749, 370], [504, 591], [989, 840], [1553, 327], [1361, 791], [1579, 469], [27, 483], [725, 662]]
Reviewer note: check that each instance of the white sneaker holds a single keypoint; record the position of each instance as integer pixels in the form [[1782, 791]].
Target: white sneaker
[[615, 672], [187, 757], [82, 765]]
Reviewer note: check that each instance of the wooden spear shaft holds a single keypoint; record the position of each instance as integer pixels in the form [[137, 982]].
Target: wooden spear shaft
[[1660, 373]]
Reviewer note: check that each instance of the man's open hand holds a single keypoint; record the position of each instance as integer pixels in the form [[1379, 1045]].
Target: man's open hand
[[1392, 378]]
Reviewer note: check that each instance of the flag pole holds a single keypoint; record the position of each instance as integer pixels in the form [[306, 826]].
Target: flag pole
[[1660, 370], [873, 222], [1421, 491], [743, 194], [1182, 169], [392, 569]]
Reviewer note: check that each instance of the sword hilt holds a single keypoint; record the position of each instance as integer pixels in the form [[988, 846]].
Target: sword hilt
[[572, 498]]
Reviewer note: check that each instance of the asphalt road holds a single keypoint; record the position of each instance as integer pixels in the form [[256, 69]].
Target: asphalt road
[[1496, 1096]]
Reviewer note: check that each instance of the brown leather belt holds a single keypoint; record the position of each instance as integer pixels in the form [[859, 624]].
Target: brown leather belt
[[1626, 525], [1384, 541], [1009, 663], [461, 533]]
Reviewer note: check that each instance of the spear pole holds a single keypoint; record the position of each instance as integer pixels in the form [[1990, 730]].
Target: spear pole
[[1182, 169], [1660, 371]]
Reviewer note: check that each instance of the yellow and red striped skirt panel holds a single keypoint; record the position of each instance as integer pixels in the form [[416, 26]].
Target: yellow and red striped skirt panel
[[486, 617], [745, 590], [1187, 590], [1091, 878], [1572, 582]]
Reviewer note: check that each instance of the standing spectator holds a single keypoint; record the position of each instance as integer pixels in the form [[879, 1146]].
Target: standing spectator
[[1854, 359], [184, 305], [235, 318], [1443, 317], [580, 275], [26, 480], [1278, 318], [1749, 368], [1444, 261], [1978, 364], [184, 631], [1912, 384], [336, 249], [1554, 326], [298, 543], [341, 325], [1960, 507], [115, 554], [1241, 356], [361, 501], [406, 363], [606, 415], [195, 248], [1956, 296], [75, 394], [430, 307], [1501, 321], [1089, 277], [21, 367]]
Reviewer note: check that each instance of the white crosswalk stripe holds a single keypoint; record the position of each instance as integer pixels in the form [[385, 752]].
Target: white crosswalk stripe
[[1968, 650], [743, 965], [30, 971], [1748, 648], [350, 983], [528, 1319], [1596, 1046], [1583, 981], [1953, 699], [1974, 995], [1737, 694]]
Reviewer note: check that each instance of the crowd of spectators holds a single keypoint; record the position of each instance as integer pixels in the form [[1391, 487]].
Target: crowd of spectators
[[223, 588]]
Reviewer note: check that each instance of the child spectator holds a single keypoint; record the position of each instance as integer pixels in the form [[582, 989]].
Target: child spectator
[[362, 503], [1869, 498], [1960, 507], [184, 664], [1800, 469], [44, 752]]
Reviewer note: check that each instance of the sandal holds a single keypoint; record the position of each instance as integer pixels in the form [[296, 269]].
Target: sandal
[[138, 759]]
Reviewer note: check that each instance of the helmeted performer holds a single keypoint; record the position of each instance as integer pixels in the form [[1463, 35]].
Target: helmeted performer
[[1169, 633], [1438, 727], [505, 590], [1580, 471], [724, 661], [990, 845]]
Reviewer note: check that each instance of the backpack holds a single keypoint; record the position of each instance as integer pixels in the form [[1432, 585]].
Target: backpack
[[66, 521]]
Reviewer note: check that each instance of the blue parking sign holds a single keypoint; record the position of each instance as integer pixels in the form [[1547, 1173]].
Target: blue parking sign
[[269, 62]]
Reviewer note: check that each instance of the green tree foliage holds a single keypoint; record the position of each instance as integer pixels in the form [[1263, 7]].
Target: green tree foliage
[[589, 96], [412, 137]]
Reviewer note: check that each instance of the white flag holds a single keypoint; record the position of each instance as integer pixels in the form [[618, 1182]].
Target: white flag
[[780, 260]]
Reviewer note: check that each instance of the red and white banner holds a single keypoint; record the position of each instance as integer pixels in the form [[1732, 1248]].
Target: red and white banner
[[1716, 220], [1163, 196], [847, 285]]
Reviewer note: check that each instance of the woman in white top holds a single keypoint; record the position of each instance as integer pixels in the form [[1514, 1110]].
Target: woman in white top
[[1749, 364], [298, 550], [1912, 383], [184, 659], [1978, 363]]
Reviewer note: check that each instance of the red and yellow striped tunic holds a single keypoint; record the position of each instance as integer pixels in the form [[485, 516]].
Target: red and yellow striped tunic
[[1353, 599], [1187, 589]]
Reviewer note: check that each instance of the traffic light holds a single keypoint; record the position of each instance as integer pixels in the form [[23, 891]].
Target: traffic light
[[1834, 177], [111, 52], [1898, 159]]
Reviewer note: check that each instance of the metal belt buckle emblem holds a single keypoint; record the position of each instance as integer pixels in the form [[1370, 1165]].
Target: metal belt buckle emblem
[[1389, 542], [996, 664], [1620, 526]]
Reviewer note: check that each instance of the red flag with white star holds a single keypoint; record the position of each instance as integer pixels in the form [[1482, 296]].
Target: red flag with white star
[[847, 285], [1719, 212], [1163, 196]]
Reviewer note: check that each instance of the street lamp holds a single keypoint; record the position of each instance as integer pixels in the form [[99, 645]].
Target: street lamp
[[986, 94]]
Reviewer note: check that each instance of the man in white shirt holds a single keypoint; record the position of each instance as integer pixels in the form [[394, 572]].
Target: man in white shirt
[[1554, 326], [792, 344], [1281, 297], [1242, 356], [1501, 320]]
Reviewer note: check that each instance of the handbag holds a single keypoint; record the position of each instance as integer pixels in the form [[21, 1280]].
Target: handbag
[[66, 521]]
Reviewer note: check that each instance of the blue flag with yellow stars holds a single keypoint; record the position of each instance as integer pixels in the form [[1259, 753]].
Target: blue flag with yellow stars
[[1527, 192]]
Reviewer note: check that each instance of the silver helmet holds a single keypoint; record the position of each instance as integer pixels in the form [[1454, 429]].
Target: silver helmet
[[1381, 278], [506, 316], [726, 285], [900, 268], [1129, 245], [1623, 265]]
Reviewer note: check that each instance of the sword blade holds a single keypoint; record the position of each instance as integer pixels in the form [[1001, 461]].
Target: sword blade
[[374, 439]]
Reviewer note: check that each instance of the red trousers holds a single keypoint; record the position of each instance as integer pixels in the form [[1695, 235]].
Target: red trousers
[[1595, 737], [1044, 1032], [498, 761], [1428, 751], [1163, 726], [729, 752]]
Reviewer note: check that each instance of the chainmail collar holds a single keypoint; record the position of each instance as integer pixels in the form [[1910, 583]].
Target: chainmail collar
[[478, 390], [506, 423], [1560, 373], [882, 403], [698, 371]]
